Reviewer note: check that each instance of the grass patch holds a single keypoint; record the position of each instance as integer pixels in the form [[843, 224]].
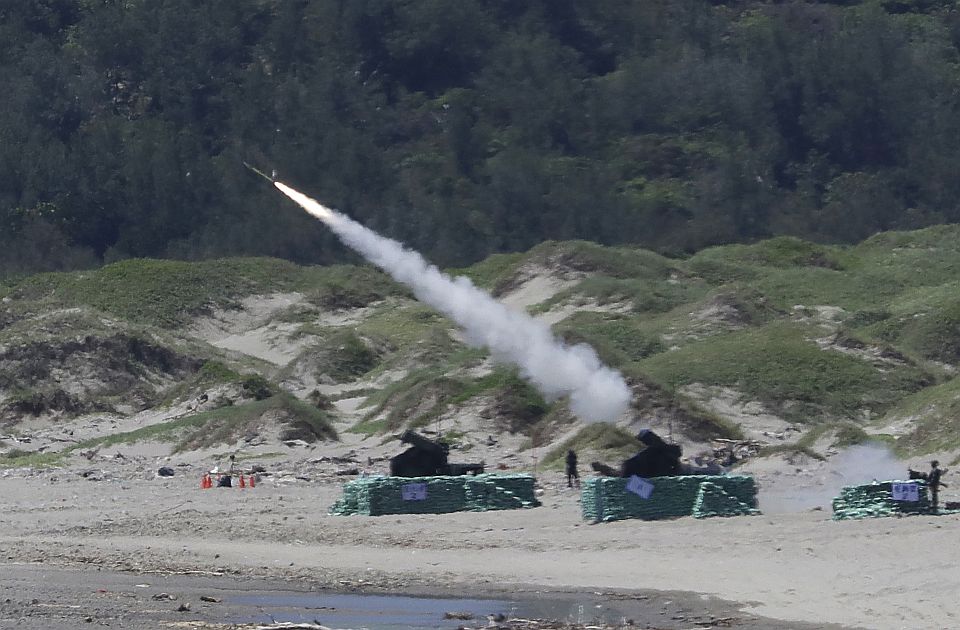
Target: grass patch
[[646, 295], [339, 287], [616, 262], [18, 458], [216, 372], [160, 292], [700, 425], [782, 252], [925, 257], [168, 431], [608, 441], [492, 271], [935, 415], [932, 332], [210, 373], [846, 434], [780, 367], [166, 293], [350, 356], [410, 330], [809, 286], [225, 425], [850, 435], [519, 406], [340, 354], [617, 339], [425, 394], [402, 399]]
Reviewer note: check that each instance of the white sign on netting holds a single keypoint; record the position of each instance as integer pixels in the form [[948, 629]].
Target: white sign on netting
[[640, 487], [413, 491], [905, 492]]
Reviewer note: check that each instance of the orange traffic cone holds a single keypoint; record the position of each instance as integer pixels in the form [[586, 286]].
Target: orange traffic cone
[[242, 482]]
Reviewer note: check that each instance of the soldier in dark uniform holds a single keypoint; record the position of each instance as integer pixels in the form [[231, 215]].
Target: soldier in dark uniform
[[572, 474], [933, 481]]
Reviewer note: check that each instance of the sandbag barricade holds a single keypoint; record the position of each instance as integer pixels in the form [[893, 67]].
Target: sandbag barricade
[[876, 499], [375, 496], [608, 499]]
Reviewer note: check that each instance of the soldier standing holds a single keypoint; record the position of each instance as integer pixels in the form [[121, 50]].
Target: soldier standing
[[572, 474], [933, 481]]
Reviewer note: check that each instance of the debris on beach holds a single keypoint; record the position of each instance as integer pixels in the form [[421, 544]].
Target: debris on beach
[[461, 615]]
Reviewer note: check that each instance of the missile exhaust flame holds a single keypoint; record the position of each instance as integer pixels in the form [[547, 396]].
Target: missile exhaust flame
[[313, 207], [597, 393]]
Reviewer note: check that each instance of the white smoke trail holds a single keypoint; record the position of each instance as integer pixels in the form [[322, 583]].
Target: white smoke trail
[[596, 392]]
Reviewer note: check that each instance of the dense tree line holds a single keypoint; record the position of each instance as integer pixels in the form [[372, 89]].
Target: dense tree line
[[466, 127]]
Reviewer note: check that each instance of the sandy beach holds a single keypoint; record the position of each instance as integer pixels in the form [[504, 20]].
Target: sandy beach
[[792, 568]]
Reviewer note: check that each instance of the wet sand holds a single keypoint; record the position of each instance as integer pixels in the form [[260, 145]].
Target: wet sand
[[42, 597]]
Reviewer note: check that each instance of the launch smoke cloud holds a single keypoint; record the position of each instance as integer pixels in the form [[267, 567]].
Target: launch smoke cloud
[[596, 392]]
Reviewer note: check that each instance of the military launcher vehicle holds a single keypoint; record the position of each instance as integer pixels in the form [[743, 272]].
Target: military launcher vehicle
[[657, 459], [427, 458]]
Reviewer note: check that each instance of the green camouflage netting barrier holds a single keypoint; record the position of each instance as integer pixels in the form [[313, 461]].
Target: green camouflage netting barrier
[[500, 492], [876, 499], [702, 496], [713, 500], [374, 496]]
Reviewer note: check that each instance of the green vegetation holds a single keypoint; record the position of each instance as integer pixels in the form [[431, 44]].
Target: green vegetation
[[214, 372], [211, 372], [256, 387], [424, 394], [404, 324], [348, 356], [834, 337], [783, 252], [492, 271], [672, 124], [225, 425], [778, 365], [849, 435], [421, 390], [167, 293], [934, 415], [615, 262], [405, 335], [618, 339], [607, 441], [645, 296], [301, 421], [17, 458], [160, 292], [699, 424], [933, 332], [208, 429], [343, 286]]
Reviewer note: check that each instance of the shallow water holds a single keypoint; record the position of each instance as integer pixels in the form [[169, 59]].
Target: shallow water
[[388, 612]]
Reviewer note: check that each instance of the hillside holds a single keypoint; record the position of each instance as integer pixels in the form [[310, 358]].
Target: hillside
[[800, 348]]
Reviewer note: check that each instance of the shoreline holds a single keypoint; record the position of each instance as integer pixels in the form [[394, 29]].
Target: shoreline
[[105, 595]]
